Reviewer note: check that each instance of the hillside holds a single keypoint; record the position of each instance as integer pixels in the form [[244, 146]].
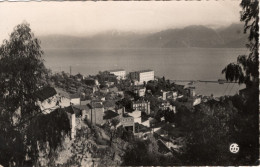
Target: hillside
[[191, 36]]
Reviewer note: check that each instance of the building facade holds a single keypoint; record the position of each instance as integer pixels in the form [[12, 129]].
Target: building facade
[[96, 113], [120, 73], [142, 76], [142, 106]]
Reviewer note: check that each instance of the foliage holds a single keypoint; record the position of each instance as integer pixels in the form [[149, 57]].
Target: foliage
[[127, 103], [157, 86], [50, 129], [245, 70], [145, 153], [142, 153], [182, 117], [167, 114], [22, 73], [214, 126]]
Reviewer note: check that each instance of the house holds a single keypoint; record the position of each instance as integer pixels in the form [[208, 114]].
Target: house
[[75, 99], [91, 82], [48, 99], [119, 73], [142, 76], [190, 91], [136, 115], [164, 95], [64, 97], [127, 122], [167, 106], [96, 113], [79, 77], [141, 105], [84, 110], [109, 115]]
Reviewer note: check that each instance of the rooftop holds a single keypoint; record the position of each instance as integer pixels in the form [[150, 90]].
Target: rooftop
[[162, 147], [62, 93], [74, 96], [109, 103], [97, 105], [45, 93], [110, 114], [141, 128], [82, 107], [116, 70], [73, 110], [141, 71]]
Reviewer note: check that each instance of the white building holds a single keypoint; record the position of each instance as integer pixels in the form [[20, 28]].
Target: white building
[[75, 99], [49, 99], [142, 76], [120, 73], [136, 115]]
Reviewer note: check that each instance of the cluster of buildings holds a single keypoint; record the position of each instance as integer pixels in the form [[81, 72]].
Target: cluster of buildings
[[96, 98], [139, 77]]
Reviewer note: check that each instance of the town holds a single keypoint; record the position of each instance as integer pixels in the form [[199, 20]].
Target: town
[[139, 102]]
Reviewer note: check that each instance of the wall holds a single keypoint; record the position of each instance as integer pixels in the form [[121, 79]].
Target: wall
[[75, 101]]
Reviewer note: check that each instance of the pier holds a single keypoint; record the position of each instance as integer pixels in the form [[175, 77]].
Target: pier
[[205, 81]]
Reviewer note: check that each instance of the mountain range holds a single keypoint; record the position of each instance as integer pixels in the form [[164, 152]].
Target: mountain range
[[191, 36]]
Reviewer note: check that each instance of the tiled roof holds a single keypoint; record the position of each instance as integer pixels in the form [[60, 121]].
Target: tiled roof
[[62, 93], [109, 103], [82, 107], [73, 110], [45, 93], [74, 96], [127, 116], [97, 105], [110, 114], [144, 117], [141, 128], [162, 148]]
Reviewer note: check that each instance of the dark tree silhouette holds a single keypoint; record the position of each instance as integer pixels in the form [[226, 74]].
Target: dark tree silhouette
[[22, 73], [245, 70]]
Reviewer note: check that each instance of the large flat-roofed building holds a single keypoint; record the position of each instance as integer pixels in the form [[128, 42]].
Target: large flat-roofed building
[[120, 73], [142, 76]]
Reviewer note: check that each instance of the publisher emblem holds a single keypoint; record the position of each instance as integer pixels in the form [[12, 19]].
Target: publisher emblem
[[234, 148]]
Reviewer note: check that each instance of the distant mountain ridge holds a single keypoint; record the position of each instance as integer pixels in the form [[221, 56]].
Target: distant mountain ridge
[[191, 36]]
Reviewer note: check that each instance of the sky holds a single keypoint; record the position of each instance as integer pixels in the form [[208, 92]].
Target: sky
[[88, 18]]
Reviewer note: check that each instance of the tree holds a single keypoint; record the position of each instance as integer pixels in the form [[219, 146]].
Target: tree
[[245, 70], [113, 127], [22, 73]]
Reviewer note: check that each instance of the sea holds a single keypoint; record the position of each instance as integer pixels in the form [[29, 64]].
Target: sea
[[172, 63]]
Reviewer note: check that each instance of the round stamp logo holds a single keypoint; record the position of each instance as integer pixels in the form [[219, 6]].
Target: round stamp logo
[[234, 148]]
